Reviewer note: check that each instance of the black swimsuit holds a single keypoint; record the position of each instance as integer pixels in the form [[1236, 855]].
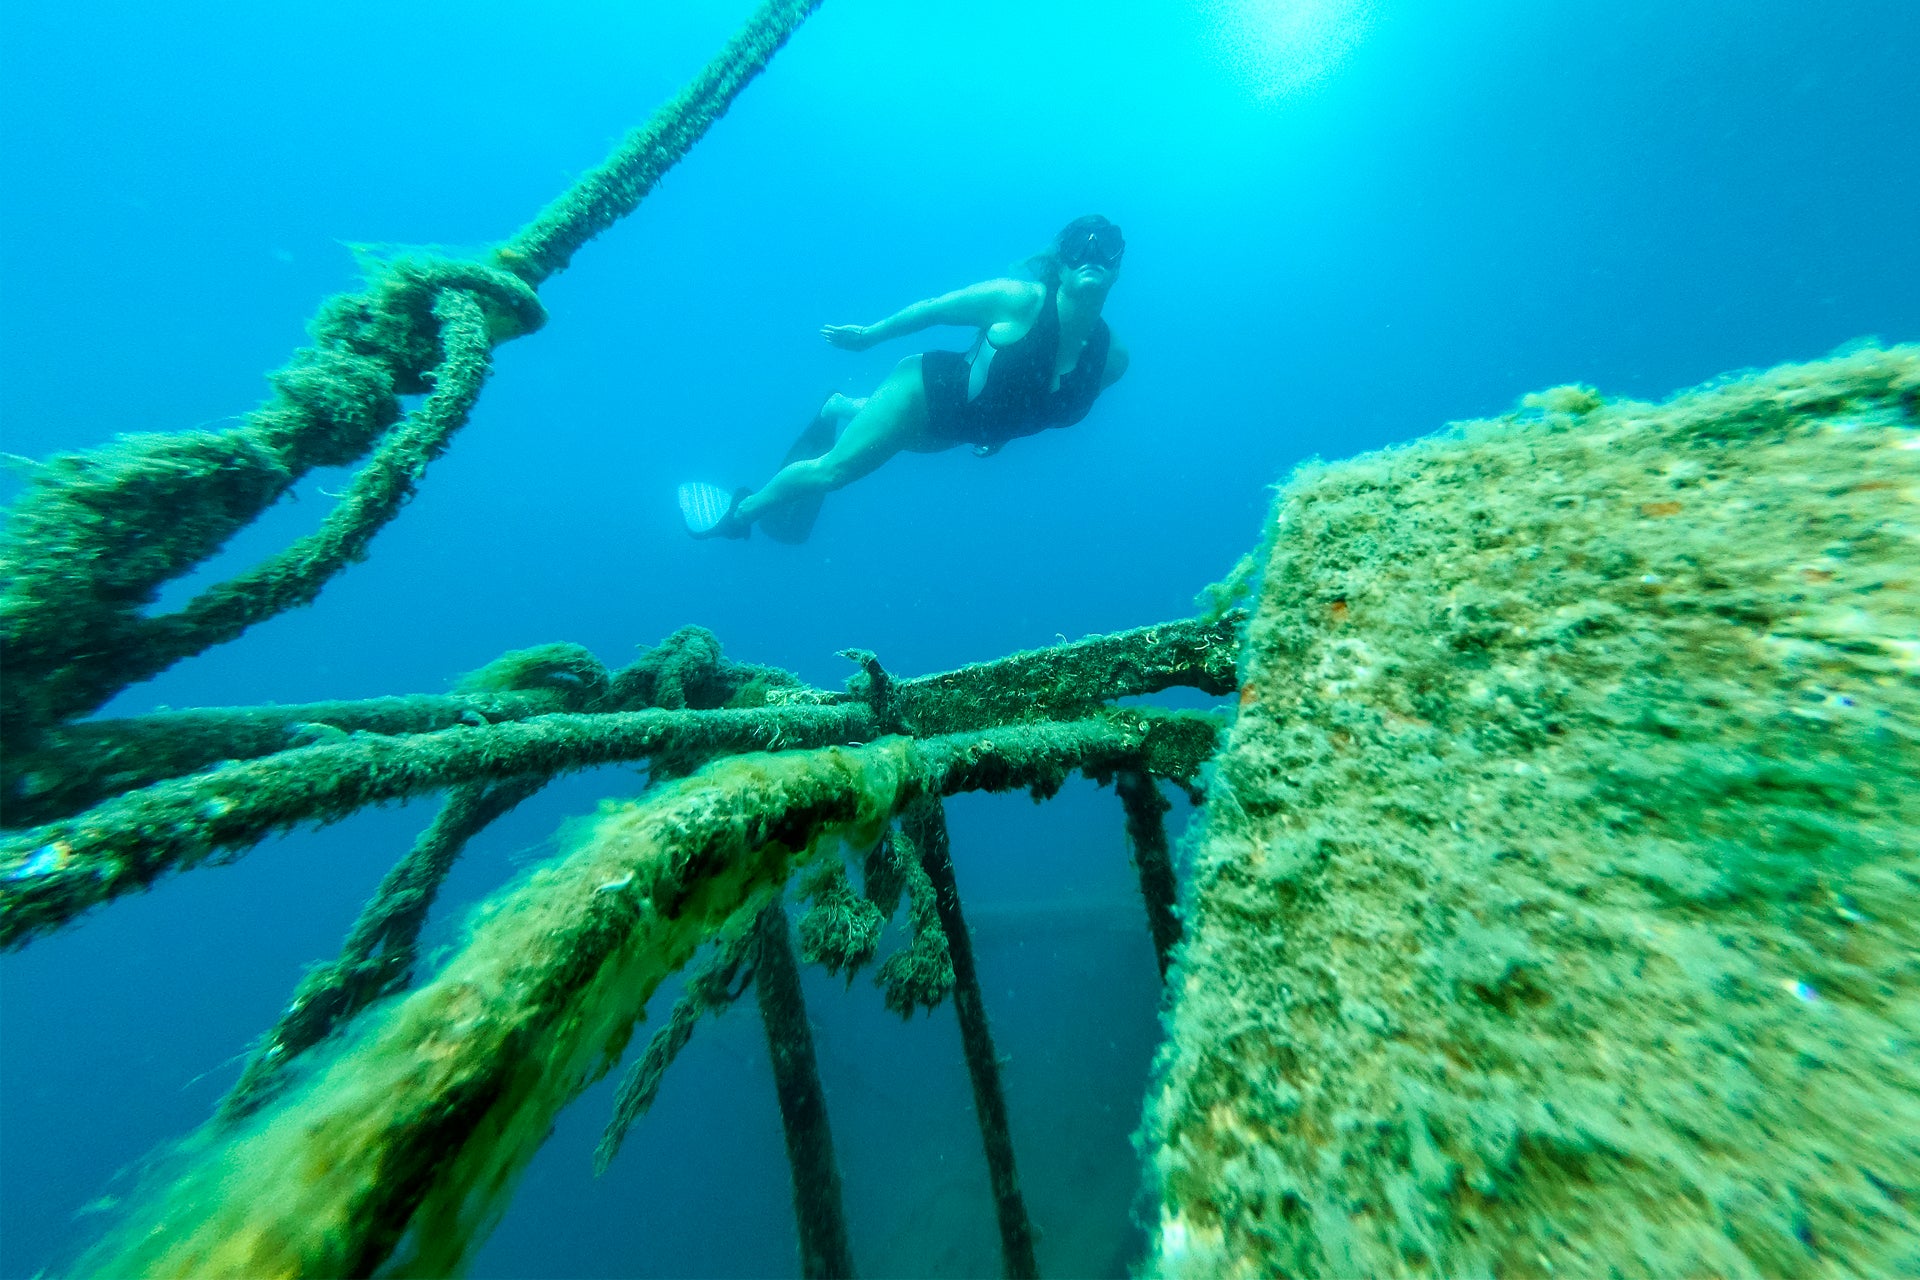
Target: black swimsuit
[[1018, 398]]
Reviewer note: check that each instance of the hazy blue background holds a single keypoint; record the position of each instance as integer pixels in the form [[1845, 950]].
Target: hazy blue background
[[1348, 224]]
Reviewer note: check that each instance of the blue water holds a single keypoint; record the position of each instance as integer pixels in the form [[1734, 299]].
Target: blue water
[[1348, 223]]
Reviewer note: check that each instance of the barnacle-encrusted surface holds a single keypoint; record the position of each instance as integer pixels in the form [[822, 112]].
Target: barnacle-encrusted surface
[[1557, 907]]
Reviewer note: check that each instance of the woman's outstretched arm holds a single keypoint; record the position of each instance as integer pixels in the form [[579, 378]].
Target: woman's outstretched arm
[[977, 306]]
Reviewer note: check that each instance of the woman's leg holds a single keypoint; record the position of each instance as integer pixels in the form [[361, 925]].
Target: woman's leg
[[842, 407], [893, 418]]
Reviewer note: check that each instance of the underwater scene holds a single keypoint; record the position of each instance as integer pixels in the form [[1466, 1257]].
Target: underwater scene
[[1213, 638]]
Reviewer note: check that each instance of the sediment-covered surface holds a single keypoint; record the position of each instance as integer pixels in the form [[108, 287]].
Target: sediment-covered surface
[[1559, 906]]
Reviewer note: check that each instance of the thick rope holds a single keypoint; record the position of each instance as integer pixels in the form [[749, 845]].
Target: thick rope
[[419, 1126], [709, 989], [51, 874], [98, 533], [377, 492], [75, 766], [381, 949], [78, 765], [604, 195], [918, 976], [93, 541]]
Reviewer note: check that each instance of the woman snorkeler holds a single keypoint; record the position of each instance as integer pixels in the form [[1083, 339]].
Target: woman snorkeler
[[1042, 356]]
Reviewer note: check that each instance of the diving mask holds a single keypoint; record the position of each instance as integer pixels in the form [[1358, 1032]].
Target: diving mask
[[1101, 246]]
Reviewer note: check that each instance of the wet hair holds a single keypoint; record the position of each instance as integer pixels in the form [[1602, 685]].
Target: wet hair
[[1044, 266]]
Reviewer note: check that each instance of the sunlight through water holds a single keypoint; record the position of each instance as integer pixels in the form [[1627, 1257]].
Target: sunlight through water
[[1282, 48]]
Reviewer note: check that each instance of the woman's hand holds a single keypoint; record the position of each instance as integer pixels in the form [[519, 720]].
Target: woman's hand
[[849, 337]]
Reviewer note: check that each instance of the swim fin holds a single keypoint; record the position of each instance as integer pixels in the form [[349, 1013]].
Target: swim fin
[[792, 522], [709, 511]]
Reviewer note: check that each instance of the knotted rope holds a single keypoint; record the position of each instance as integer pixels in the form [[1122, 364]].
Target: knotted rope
[[89, 546]]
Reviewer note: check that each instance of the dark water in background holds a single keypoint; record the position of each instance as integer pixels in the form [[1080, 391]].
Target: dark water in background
[[1417, 215]]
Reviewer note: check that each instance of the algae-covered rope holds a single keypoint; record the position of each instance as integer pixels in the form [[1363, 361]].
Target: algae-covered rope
[[920, 974], [610, 192], [97, 534], [78, 765], [374, 497], [709, 989], [418, 1126], [52, 873], [378, 956], [148, 646], [90, 544]]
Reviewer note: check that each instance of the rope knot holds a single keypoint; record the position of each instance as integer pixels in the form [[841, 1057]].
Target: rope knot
[[394, 321]]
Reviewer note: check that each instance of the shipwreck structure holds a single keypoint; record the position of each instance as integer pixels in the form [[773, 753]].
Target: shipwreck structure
[[1553, 907]]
